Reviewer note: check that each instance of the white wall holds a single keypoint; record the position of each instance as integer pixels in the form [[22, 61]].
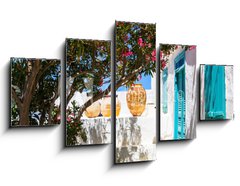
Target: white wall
[[167, 119], [36, 156], [229, 91]]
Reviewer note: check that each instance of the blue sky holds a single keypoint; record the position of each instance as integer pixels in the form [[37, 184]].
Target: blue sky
[[145, 81]]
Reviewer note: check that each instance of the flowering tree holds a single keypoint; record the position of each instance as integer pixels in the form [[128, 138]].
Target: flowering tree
[[90, 61], [135, 51], [88, 69], [167, 49], [34, 89]]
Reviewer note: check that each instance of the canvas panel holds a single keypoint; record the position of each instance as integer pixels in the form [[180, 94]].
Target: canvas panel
[[216, 92], [135, 85], [35, 92], [88, 86], [177, 92]]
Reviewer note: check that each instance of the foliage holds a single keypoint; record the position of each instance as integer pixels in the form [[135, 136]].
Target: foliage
[[35, 88], [88, 69], [14, 113], [135, 51], [74, 126], [88, 60]]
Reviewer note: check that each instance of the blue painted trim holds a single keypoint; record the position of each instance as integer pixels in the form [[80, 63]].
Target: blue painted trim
[[164, 92], [179, 92]]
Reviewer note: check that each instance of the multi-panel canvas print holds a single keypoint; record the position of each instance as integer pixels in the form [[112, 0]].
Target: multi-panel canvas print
[[88, 86], [35, 92], [135, 86], [216, 92], [177, 92]]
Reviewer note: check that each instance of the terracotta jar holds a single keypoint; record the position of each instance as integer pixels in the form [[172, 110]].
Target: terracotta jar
[[106, 106], [118, 106], [136, 99], [93, 110]]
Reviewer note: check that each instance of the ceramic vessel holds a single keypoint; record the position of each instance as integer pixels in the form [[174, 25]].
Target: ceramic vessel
[[106, 106], [93, 110], [136, 99]]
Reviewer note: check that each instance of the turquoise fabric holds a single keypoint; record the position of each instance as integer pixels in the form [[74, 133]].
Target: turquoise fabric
[[179, 97], [214, 92]]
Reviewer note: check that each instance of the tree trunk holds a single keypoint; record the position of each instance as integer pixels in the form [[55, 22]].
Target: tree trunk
[[24, 115], [42, 119], [28, 92]]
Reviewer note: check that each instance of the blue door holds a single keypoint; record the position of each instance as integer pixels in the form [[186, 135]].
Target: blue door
[[179, 96]]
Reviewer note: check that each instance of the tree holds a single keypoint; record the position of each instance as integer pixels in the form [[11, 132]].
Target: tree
[[91, 60], [88, 69], [34, 88], [135, 51]]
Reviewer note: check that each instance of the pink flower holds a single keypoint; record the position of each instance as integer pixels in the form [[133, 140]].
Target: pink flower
[[140, 42], [153, 55], [58, 117], [149, 45], [128, 53], [163, 64], [68, 119], [161, 54], [192, 47]]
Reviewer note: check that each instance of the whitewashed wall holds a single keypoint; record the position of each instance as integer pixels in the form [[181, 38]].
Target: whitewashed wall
[[191, 99], [202, 96], [229, 91], [167, 119]]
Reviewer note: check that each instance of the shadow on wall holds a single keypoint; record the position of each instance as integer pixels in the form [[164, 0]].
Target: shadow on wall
[[7, 95], [174, 143], [209, 124]]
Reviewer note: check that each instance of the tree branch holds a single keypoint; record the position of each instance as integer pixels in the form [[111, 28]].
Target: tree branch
[[123, 68], [43, 70], [121, 82], [94, 98], [70, 95], [16, 98]]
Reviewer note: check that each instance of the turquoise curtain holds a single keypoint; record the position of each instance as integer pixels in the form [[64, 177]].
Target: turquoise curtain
[[214, 92]]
